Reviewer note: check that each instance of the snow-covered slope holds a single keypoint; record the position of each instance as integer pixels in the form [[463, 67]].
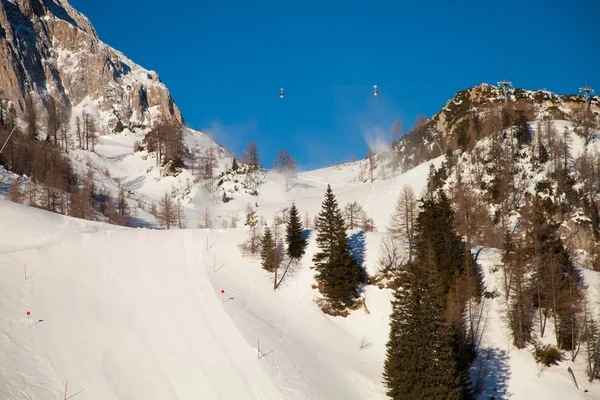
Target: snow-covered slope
[[504, 372], [137, 313]]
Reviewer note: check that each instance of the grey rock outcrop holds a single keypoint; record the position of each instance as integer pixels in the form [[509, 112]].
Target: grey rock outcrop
[[47, 48]]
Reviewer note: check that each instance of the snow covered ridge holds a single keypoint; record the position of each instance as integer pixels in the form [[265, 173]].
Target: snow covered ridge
[[461, 122], [65, 60]]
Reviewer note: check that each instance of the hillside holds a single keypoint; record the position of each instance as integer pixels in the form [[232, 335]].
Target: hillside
[[462, 120], [113, 300]]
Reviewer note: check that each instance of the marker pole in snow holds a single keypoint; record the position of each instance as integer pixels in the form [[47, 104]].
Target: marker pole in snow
[[222, 293], [25, 269], [28, 314], [214, 263], [258, 349], [66, 384]]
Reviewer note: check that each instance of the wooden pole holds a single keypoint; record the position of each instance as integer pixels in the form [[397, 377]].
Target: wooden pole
[[258, 349], [66, 384], [25, 269]]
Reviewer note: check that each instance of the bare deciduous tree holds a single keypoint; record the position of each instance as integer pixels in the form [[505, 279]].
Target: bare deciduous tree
[[166, 212], [353, 214], [404, 219], [180, 215], [250, 156], [390, 255], [209, 164], [285, 165], [372, 162]]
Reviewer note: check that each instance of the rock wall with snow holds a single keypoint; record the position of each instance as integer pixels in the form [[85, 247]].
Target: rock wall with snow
[[467, 111], [48, 49]]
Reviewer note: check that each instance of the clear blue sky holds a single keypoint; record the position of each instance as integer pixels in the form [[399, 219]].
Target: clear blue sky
[[225, 60]]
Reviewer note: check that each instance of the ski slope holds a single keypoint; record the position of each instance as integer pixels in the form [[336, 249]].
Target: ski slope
[[138, 313]]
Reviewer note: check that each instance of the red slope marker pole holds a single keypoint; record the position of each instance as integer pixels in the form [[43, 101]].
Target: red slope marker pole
[[28, 314], [222, 293]]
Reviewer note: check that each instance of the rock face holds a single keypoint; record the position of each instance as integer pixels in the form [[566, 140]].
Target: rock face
[[47, 48], [469, 108]]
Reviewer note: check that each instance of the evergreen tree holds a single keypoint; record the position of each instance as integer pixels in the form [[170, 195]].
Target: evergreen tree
[[268, 252], [430, 349], [556, 281], [421, 362], [523, 132], [294, 239], [337, 273]]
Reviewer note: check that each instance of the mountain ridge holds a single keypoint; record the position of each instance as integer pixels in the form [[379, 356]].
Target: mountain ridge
[[53, 51]]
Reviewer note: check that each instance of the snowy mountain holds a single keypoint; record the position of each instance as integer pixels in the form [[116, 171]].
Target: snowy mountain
[[459, 124], [51, 51], [128, 313], [55, 60], [121, 313]]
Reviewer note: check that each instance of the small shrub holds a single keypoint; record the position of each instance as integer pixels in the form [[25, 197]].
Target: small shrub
[[548, 355], [137, 146]]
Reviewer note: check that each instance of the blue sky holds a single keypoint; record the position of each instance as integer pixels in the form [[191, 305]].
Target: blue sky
[[224, 62]]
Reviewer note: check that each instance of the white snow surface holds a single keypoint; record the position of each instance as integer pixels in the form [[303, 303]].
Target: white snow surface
[[138, 314]]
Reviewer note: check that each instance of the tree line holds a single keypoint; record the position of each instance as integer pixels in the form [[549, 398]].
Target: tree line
[[543, 202], [40, 153], [430, 348]]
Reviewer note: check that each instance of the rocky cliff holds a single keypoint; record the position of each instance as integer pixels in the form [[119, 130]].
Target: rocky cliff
[[48, 48], [462, 121]]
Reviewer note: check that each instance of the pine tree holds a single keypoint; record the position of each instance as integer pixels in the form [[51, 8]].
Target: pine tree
[[252, 246], [420, 363], [268, 251], [337, 273], [429, 350], [294, 238], [523, 132]]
